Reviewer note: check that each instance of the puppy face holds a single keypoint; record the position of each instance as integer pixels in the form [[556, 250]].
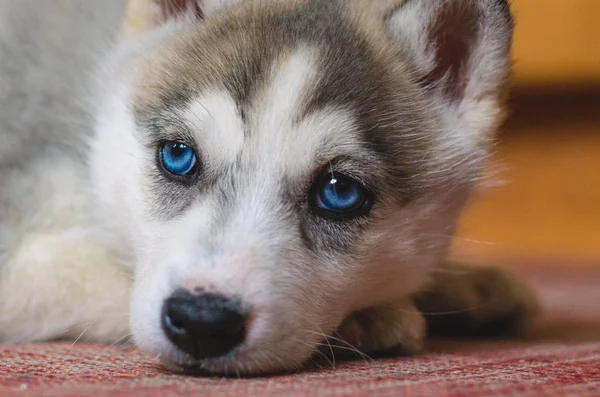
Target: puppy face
[[293, 159]]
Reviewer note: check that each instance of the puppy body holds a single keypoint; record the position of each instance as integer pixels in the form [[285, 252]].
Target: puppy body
[[400, 96], [56, 279]]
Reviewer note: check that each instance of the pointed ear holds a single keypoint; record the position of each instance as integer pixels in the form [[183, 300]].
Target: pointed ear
[[460, 53], [175, 8], [143, 15], [197, 8]]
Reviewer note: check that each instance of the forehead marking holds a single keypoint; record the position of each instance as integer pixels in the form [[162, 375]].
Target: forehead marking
[[291, 78], [284, 137], [217, 125]]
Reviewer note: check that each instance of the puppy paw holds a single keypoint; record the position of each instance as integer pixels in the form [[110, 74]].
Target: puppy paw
[[391, 329], [467, 302]]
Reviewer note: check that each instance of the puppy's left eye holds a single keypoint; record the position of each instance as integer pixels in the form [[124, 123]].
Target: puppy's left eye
[[337, 195], [178, 159]]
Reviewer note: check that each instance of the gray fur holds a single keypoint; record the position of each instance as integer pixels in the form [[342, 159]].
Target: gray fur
[[49, 51]]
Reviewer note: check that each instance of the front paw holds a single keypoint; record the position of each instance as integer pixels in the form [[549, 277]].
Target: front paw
[[393, 328], [468, 302]]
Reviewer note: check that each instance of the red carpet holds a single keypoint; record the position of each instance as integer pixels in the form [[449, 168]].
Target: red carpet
[[562, 360]]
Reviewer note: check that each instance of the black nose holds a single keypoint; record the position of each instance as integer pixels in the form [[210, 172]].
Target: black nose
[[203, 326]]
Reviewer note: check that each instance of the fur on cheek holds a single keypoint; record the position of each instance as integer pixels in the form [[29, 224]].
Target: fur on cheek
[[402, 250]]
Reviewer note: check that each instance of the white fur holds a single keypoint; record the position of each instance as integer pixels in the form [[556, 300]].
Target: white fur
[[216, 123], [282, 142]]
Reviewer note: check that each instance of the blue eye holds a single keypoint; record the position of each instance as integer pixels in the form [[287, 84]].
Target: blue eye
[[340, 195], [178, 158]]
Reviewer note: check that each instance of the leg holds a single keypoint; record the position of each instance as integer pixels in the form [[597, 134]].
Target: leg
[[461, 302], [62, 285], [394, 328], [56, 279], [477, 302]]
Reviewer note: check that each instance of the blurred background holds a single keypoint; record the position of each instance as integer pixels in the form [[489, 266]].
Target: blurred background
[[545, 208]]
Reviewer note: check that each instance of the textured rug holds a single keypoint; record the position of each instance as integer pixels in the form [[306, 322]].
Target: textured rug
[[562, 359]]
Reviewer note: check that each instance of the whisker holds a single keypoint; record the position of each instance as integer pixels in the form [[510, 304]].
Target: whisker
[[457, 311], [350, 346], [78, 338], [86, 324], [313, 348], [330, 349], [465, 239], [119, 340], [354, 350]]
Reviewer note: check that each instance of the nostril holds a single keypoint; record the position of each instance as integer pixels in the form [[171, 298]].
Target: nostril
[[235, 329], [172, 324]]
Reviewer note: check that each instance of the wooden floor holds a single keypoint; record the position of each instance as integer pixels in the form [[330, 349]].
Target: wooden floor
[[548, 208]]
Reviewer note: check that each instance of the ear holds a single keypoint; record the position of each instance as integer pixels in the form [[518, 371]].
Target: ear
[[460, 53], [175, 8], [197, 8], [144, 15]]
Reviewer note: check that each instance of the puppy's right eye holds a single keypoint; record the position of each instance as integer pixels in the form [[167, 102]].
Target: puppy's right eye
[[178, 159], [341, 197]]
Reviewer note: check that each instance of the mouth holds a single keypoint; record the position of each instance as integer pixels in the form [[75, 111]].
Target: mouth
[[243, 364], [246, 361]]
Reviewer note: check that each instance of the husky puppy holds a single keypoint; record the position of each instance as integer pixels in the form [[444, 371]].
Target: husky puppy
[[249, 179]]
